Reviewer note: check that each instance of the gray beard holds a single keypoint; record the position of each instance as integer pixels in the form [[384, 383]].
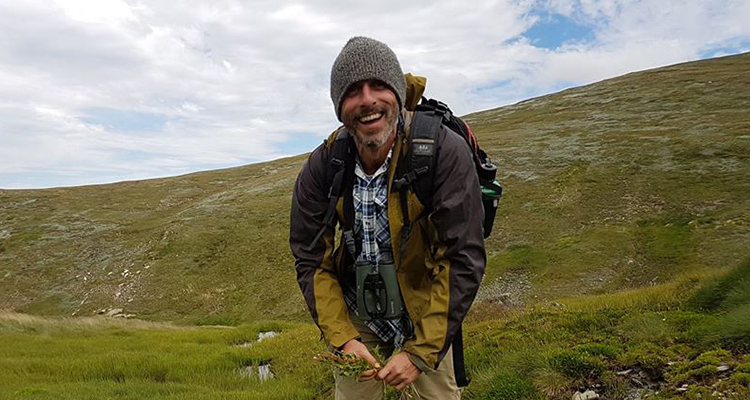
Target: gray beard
[[380, 139]]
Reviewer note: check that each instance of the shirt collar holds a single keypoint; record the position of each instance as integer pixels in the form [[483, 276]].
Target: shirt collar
[[359, 171]]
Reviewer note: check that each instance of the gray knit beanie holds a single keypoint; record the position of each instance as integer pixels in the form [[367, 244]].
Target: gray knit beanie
[[364, 58]]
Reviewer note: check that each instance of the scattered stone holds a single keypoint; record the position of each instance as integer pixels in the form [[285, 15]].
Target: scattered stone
[[113, 312], [587, 395], [683, 388], [640, 394], [623, 373], [723, 367]]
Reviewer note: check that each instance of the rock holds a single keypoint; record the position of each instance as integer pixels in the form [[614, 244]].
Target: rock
[[113, 312], [623, 373], [587, 395], [723, 367], [640, 394]]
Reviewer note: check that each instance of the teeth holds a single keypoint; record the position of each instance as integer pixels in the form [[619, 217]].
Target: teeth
[[370, 117]]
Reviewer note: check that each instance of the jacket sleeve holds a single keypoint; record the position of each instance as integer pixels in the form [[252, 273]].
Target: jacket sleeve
[[316, 273], [457, 217]]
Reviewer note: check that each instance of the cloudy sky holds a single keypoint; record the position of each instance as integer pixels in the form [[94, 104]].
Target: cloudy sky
[[108, 90]]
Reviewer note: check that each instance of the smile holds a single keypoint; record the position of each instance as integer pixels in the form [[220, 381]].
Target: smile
[[370, 118]]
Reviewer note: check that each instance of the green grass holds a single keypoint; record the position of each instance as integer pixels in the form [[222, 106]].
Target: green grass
[[541, 352], [101, 359]]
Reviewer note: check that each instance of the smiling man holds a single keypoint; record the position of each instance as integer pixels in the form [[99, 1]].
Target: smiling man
[[403, 274]]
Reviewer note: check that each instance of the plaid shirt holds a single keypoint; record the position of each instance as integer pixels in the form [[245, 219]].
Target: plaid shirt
[[372, 229]]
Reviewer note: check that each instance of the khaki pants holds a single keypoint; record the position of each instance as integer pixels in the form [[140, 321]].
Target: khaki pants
[[440, 384]]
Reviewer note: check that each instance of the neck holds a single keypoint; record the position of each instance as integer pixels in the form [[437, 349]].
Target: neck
[[372, 158]]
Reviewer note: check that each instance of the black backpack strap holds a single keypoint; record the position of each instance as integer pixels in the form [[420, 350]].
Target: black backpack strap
[[459, 367], [420, 164], [341, 161], [347, 226]]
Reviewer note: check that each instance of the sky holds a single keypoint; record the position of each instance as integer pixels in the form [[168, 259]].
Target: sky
[[109, 90]]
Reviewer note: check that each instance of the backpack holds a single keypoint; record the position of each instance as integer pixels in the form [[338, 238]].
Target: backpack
[[428, 115]]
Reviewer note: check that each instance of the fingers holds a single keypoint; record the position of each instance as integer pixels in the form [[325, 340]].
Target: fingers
[[399, 372], [368, 375], [360, 350]]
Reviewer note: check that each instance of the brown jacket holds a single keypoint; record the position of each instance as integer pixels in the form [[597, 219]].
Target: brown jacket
[[440, 267]]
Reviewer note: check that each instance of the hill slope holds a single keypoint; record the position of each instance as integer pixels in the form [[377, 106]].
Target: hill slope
[[623, 183]]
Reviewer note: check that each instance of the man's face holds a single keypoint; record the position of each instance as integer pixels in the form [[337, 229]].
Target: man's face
[[370, 110]]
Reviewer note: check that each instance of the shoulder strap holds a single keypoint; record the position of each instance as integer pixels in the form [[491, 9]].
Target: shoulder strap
[[423, 143], [341, 160]]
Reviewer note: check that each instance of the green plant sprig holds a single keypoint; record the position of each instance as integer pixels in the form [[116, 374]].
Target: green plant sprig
[[351, 366]]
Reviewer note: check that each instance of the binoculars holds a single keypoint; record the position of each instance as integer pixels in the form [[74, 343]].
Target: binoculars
[[378, 294]]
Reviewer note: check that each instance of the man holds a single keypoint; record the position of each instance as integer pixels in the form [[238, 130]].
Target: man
[[436, 249]]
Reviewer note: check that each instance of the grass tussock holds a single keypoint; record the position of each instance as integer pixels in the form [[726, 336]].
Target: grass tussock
[[666, 296]]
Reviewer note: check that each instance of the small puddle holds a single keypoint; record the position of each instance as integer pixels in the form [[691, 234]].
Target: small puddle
[[266, 335], [261, 337], [263, 371]]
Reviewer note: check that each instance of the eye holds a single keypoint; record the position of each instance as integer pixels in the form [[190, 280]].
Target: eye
[[377, 85], [353, 90]]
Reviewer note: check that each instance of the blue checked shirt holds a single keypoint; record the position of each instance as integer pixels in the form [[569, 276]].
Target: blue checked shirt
[[372, 230]]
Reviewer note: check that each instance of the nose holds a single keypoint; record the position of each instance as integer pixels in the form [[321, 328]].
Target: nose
[[366, 93]]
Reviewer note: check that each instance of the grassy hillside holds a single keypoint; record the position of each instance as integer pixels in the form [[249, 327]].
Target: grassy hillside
[[625, 183], [619, 262]]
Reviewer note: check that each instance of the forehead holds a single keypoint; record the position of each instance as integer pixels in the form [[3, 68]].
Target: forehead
[[372, 82]]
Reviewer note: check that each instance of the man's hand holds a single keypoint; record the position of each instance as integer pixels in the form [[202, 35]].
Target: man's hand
[[400, 372], [357, 348]]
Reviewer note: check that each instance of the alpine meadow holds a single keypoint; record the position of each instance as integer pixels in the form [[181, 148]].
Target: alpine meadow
[[619, 263]]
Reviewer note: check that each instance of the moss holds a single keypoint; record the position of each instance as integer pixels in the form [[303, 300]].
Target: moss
[[698, 374], [741, 378], [651, 359]]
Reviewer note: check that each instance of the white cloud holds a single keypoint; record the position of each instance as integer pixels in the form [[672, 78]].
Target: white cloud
[[239, 82]]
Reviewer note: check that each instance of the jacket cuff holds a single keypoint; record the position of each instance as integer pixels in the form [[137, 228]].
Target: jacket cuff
[[339, 339], [419, 363]]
